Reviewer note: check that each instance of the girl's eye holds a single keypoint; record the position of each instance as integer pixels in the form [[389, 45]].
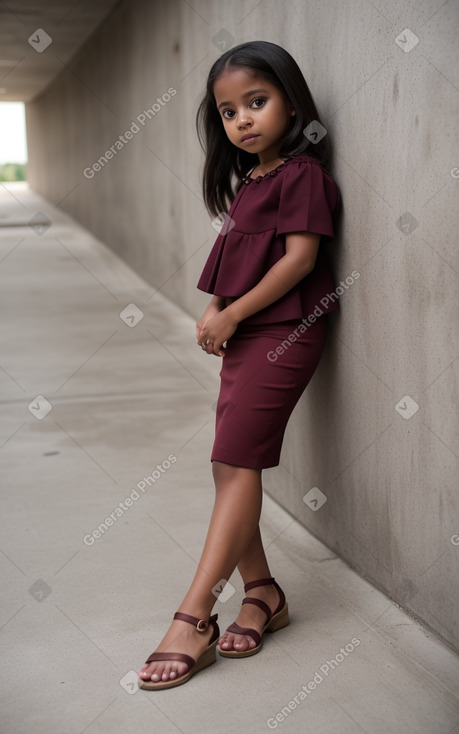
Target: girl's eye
[[257, 99]]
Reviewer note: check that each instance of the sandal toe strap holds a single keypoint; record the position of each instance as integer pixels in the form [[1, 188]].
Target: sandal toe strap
[[179, 656], [236, 629]]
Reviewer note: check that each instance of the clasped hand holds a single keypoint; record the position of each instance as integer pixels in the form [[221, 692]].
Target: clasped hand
[[212, 332]]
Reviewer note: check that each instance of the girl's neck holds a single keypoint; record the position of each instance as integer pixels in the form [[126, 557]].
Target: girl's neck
[[261, 170]]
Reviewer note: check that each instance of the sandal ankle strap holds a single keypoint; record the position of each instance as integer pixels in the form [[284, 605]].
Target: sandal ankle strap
[[260, 582], [200, 624], [266, 582]]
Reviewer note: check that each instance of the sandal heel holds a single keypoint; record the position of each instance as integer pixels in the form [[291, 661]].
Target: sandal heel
[[208, 657], [281, 619]]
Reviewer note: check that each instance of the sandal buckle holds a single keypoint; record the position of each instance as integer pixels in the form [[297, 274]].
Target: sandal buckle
[[202, 625]]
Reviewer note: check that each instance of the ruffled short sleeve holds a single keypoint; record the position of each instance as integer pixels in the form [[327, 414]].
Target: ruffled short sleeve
[[309, 200]]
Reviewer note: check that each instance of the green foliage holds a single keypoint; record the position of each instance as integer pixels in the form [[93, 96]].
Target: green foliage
[[13, 172]]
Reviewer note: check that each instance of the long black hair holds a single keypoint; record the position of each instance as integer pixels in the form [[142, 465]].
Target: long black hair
[[223, 159]]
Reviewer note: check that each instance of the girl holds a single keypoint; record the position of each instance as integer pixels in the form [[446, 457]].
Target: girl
[[269, 279]]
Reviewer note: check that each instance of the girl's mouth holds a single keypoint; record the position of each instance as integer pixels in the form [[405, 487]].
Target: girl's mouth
[[249, 139]]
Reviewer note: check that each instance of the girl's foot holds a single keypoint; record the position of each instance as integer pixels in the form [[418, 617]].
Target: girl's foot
[[250, 616], [181, 637]]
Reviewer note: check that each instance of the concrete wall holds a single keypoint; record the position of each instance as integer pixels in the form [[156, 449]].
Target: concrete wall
[[390, 481]]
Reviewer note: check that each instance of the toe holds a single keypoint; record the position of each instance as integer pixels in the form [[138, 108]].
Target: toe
[[156, 673], [146, 672], [224, 642], [228, 642], [150, 672], [243, 643], [240, 643], [166, 671]]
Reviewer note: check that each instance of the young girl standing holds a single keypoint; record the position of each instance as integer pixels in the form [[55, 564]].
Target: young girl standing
[[269, 278]]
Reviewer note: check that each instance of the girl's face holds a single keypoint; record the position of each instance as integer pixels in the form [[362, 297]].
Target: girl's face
[[249, 105]]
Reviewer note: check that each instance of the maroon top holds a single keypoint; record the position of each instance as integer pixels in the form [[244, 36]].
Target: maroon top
[[297, 196]]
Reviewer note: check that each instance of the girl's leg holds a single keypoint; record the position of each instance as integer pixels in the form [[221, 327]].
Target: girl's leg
[[252, 566], [233, 523]]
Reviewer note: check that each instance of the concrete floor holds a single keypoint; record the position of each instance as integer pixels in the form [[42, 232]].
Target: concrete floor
[[79, 618]]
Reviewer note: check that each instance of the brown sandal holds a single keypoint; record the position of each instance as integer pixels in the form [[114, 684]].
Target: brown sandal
[[206, 658], [275, 620]]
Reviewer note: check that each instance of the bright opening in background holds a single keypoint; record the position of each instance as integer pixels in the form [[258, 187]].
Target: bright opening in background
[[13, 144]]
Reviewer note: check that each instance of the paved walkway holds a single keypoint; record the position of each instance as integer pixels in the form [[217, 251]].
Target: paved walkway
[[107, 425]]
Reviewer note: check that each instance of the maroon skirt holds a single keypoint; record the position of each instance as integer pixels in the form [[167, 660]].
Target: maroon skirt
[[264, 372]]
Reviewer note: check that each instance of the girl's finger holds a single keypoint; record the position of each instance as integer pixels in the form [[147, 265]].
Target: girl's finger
[[217, 349], [207, 346]]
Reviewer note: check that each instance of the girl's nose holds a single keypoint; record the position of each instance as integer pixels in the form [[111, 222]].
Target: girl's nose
[[242, 120]]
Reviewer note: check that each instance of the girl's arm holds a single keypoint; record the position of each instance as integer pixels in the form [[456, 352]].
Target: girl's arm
[[299, 260], [300, 256], [217, 304]]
